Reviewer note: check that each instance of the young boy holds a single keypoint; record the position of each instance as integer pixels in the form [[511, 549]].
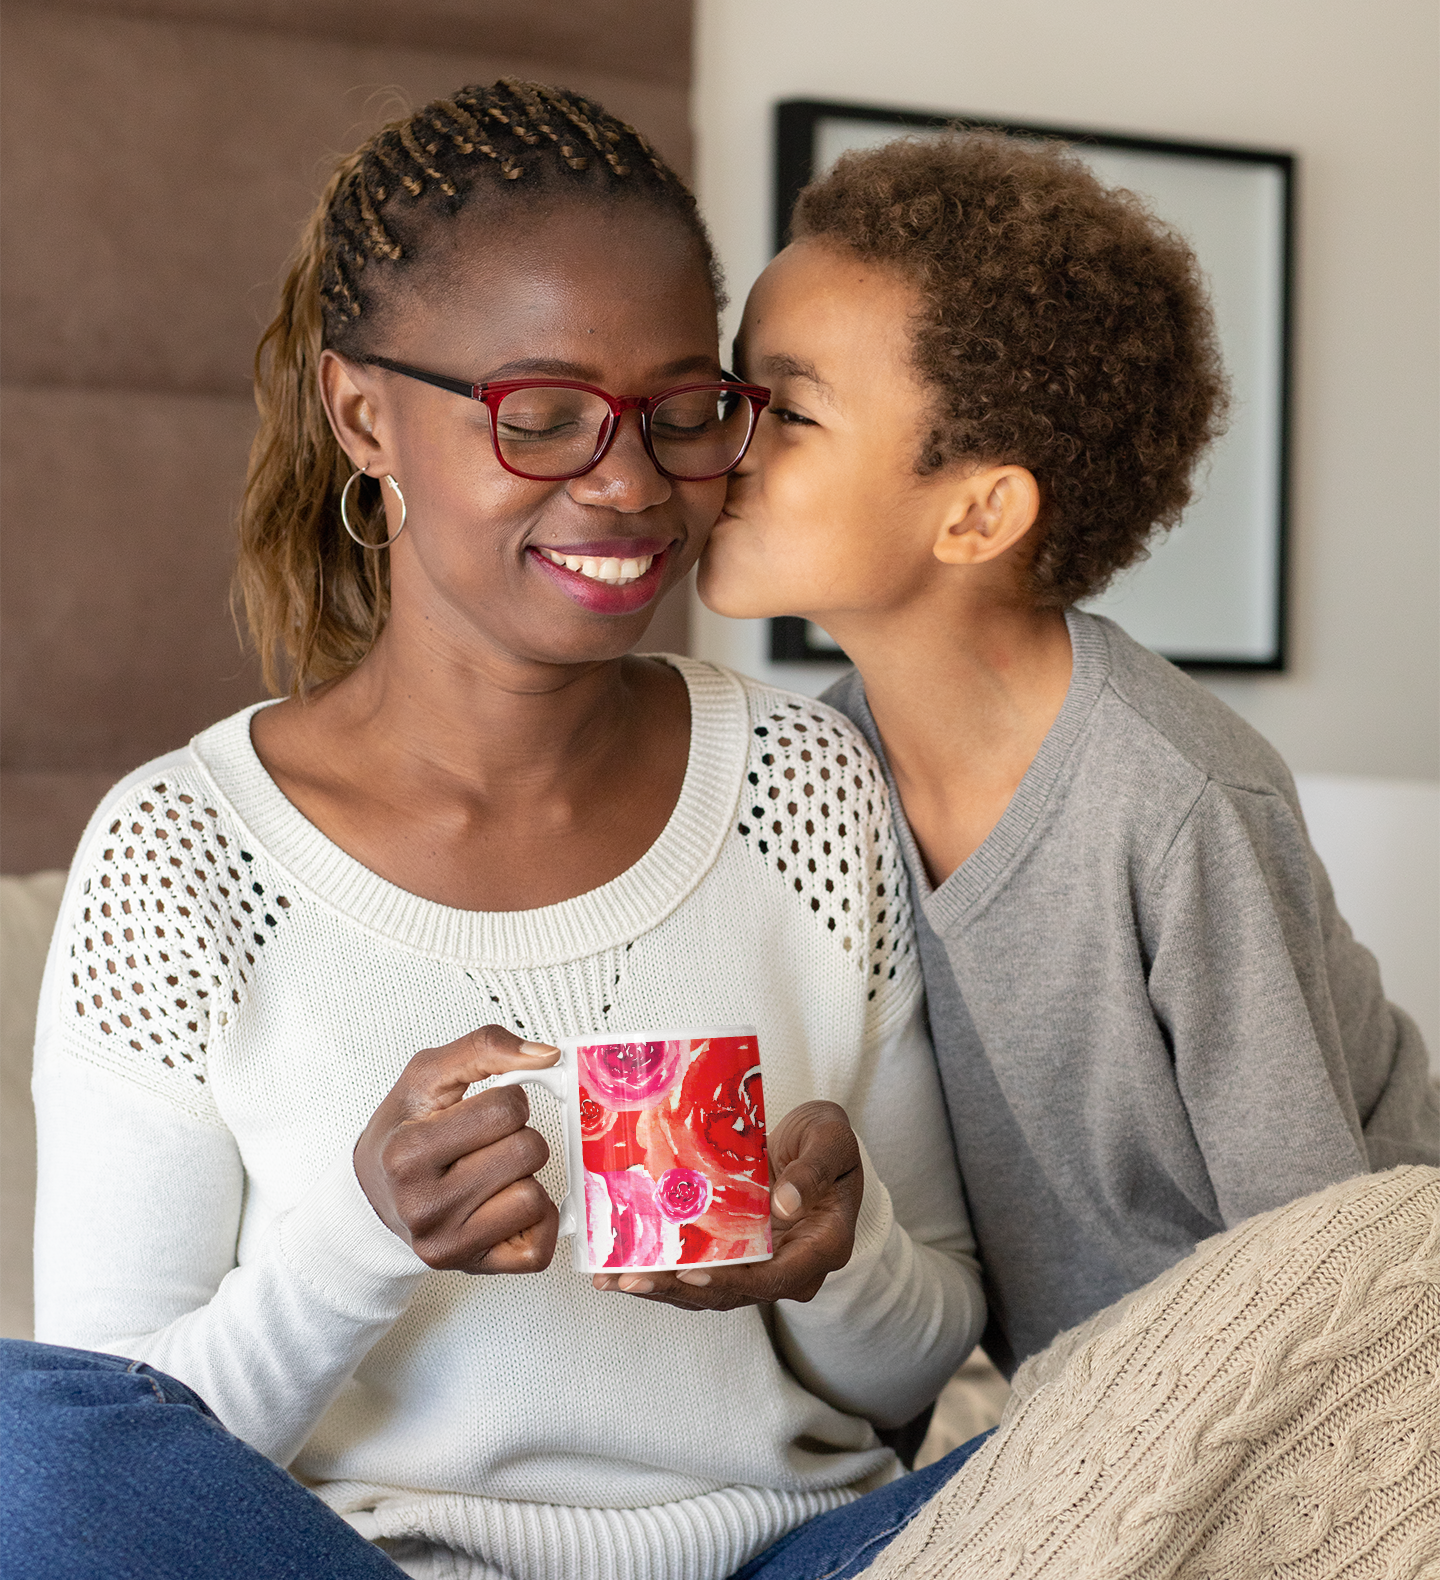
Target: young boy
[[992, 381]]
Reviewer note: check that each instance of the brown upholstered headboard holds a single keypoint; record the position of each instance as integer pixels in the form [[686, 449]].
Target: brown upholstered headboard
[[160, 155]]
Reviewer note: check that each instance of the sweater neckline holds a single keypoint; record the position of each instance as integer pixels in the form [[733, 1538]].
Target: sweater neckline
[[945, 906], [604, 918]]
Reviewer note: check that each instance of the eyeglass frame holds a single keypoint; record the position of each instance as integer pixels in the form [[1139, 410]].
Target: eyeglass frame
[[490, 396]]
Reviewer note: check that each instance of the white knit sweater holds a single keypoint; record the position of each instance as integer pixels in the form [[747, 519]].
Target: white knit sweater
[[1268, 1409], [230, 995]]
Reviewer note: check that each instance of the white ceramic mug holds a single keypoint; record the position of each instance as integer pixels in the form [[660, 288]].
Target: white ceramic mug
[[665, 1158]]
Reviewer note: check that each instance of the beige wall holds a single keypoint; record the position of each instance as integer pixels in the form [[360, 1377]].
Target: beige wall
[[1349, 87], [158, 160]]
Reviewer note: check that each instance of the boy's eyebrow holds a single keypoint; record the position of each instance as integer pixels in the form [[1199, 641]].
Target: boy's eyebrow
[[782, 363]]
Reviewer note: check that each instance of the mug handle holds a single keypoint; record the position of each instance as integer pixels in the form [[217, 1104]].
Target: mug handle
[[555, 1081]]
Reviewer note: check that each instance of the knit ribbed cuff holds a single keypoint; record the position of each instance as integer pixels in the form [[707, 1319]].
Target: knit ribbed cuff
[[335, 1241], [873, 1228], [877, 1213], [702, 1538]]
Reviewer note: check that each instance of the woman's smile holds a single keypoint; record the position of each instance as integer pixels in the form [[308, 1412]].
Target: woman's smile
[[607, 575]]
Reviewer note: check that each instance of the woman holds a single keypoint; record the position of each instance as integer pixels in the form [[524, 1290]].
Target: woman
[[475, 826]]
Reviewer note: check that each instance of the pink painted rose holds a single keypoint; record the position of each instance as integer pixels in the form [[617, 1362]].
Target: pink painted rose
[[682, 1195], [621, 1216], [628, 1075]]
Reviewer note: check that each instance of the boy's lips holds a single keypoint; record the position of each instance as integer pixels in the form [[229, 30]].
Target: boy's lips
[[609, 576]]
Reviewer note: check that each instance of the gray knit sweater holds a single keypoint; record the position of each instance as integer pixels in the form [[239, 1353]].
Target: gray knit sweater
[[1150, 1019]]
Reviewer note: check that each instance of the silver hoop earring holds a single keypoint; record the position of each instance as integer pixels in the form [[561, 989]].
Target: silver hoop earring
[[345, 513]]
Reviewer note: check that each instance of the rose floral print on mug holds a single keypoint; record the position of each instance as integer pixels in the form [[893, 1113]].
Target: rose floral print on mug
[[673, 1143]]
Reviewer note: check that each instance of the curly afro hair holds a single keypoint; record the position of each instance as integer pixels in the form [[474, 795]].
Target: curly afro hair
[[1062, 327]]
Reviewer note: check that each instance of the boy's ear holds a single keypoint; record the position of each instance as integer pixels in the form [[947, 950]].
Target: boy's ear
[[989, 512]]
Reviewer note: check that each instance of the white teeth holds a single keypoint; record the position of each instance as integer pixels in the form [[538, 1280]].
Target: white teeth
[[614, 572]]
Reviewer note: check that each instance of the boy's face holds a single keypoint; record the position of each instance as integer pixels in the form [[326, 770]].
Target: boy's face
[[826, 515]]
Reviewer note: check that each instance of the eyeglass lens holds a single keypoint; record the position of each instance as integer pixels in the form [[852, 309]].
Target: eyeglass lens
[[547, 432]]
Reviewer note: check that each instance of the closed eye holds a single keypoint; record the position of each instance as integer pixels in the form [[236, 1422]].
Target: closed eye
[[783, 414], [517, 431]]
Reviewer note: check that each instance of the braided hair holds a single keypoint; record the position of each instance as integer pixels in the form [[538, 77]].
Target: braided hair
[[315, 600]]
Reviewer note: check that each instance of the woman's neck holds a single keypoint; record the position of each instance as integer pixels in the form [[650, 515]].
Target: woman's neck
[[963, 693], [479, 723], [481, 780]]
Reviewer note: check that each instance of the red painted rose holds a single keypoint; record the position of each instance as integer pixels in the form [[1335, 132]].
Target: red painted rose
[[722, 1110], [610, 1141], [595, 1119], [714, 1125]]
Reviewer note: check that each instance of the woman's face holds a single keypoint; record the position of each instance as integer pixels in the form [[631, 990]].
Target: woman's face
[[614, 296], [826, 515]]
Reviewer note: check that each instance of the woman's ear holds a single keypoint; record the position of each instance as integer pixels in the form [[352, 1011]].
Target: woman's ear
[[349, 399], [989, 512]]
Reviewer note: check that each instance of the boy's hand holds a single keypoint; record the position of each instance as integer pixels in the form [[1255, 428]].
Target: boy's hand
[[815, 1199]]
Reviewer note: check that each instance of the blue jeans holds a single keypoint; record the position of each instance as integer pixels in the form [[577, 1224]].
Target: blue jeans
[[841, 1544], [114, 1471]]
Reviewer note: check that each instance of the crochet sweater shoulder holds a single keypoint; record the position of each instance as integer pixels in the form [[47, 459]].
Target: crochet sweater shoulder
[[166, 916], [176, 907]]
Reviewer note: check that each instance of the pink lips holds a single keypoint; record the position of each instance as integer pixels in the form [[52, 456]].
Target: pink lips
[[597, 596]]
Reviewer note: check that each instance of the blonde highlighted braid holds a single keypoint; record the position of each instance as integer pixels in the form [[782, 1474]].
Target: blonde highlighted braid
[[314, 600]]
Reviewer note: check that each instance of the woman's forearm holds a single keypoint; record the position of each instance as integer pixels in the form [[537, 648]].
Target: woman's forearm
[[887, 1331], [137, 1221]]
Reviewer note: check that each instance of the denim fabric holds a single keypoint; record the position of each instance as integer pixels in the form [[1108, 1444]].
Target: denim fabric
[[841, 1544], [114, 1471]]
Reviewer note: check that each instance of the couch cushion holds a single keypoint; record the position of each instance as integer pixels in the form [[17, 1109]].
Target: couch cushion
[[28, 907]]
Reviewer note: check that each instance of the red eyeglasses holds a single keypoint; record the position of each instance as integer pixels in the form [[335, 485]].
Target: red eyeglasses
[[548, 430]]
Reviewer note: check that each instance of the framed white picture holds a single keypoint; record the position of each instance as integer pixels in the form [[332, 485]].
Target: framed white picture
[[1212, 594]]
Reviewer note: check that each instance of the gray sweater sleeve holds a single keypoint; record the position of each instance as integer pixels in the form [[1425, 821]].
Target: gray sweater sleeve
[[1293, 1068]]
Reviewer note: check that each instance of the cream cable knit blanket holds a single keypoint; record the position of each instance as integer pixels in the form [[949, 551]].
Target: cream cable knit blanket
[[1268, 1408]]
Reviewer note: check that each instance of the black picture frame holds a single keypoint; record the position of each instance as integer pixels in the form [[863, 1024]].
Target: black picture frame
[[796, 126]]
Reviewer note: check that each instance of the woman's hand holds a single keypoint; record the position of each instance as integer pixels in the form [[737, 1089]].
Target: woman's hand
[[814, 1201], [452, 1175]]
